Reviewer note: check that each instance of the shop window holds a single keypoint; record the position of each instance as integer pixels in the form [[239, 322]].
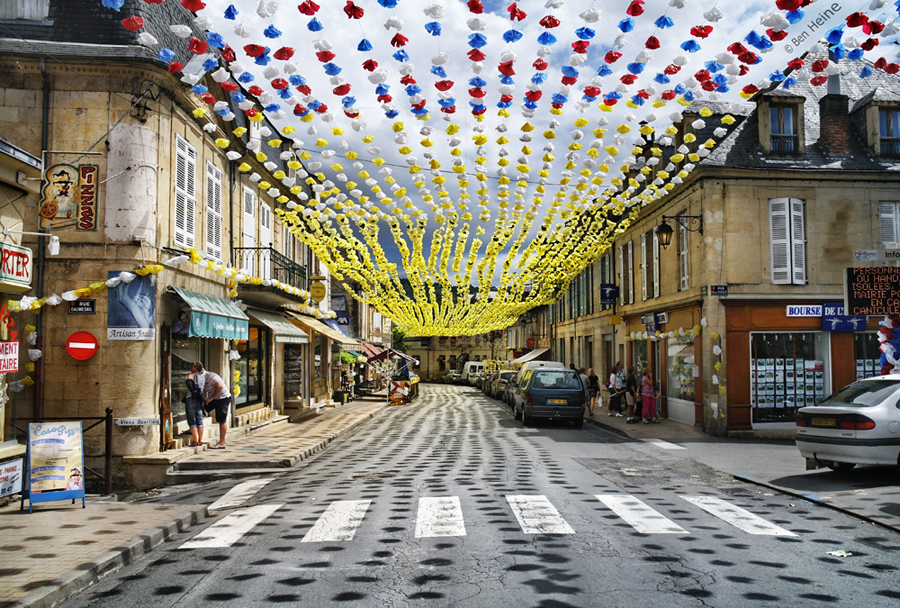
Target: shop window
[[639, 356], [184, 352], [252, 367], [868, 355], [680, 368], [787, 371], [787, 241], [293, 371]]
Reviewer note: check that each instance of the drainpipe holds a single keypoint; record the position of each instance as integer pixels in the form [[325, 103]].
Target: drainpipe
[[39, 319]]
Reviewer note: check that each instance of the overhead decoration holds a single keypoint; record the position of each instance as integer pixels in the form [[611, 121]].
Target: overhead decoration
[[557, 132]]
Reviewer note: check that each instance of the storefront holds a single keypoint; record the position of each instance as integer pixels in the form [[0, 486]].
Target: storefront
[[778, 362], [325, 355], [270, 367]]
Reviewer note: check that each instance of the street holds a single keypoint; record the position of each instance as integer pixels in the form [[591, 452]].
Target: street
[[451, 502]]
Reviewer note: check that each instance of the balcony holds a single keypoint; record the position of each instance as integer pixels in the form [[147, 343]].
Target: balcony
[[890, 146], [785, 144], [267, 263]]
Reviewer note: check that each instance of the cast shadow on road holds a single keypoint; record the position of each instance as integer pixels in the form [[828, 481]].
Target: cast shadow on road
[[826, 480]]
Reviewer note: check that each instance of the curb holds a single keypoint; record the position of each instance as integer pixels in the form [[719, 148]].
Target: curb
[[92, 572], [818, 501], [308, 452], [609, 428]]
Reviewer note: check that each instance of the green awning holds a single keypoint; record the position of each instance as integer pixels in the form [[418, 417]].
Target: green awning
[[285, 331], [213, 317]]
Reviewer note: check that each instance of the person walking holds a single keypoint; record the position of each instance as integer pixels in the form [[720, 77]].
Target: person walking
[[193, 407], [648, 397], [593, 391], [631, 394], [615, 391], [217, 398]]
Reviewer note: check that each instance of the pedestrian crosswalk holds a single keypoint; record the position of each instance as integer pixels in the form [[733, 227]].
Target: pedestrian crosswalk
[[444, 516]]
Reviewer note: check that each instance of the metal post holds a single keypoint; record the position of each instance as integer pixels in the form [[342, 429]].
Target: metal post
[[107, 473]]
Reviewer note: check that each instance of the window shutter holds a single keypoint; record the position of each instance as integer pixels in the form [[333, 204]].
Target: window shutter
[[684, 280], [630, 254], [185, 193], [213, 211], [249, 219], [887, 214], [798, 242], [780, 246], [623, 295], [655, 264], [644, 267]]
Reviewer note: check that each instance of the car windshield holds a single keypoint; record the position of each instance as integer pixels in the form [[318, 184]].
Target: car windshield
[[562, 379], [507, 375], [863, 394]]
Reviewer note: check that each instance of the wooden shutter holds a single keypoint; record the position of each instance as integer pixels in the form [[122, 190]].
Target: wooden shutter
[[623, 296], [887, 215], [780, 241], [265, 240], [798, 243], [249, 229], [630, 254], [213, 211], [185, 193], [684, 280], [644, 267], [655, 264]]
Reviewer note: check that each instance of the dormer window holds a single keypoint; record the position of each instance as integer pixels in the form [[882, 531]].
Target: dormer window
[[783, 128], [889, 131]]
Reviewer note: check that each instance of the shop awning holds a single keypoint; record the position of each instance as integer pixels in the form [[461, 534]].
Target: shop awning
[[333, 324], [310, 324], [452, 358], [530, 356], [442, 357], [285, 331], [213, 317], [477, 358], [395, 354], [462, 358]]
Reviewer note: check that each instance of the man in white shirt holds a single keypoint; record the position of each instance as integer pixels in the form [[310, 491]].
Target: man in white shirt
[[217, 397]]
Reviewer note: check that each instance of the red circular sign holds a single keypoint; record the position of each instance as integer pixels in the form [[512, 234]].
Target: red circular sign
[[82, 345]]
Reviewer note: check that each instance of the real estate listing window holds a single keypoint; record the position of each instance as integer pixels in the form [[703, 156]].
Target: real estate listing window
[[787, 371], [787, 232]]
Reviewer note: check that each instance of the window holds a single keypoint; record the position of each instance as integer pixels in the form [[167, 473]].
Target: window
[[680, 368], [252, 367], [185, 192], [31, 10], [889, 132], [868, 355], [788, 241], [783, 128], [889, 216], [787, 371], [185, 351], [649, 265], [684, 262], [213, 211], [626, 273]]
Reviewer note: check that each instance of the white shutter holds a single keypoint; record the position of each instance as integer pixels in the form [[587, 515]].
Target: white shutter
[[644, 267], [622, 287], [655, 264], [629, 253], [684, 280], [887, 215], [265, 240], [798, 243], [249, 229], [779, 241], [213, 211], [185, 201]]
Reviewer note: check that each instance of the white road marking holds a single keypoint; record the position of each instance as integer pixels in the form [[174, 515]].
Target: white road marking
[[639, 516], [664, 445], [440, 516], [230, 529], [737, 517], [339, 522], [239, 494], [537, 516]]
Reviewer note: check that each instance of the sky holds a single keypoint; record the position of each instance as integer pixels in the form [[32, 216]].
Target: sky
[[342, 36]]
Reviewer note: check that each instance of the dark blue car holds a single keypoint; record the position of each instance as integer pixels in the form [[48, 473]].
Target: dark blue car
[[550, 393]]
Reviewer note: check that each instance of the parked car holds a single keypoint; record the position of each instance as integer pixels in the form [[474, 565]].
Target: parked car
[[470, 370], [498, 386], [487, 380], [452, 377], [550, 393], [859, 424], [535, 365]]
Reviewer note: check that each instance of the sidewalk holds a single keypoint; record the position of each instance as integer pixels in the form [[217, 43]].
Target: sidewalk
[[61, 549], [869, 493]]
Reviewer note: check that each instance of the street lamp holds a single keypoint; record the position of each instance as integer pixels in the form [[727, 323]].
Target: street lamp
[[664, 231]]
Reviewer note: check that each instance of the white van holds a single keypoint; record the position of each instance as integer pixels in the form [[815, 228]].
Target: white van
[[470, 370], [534, 365]]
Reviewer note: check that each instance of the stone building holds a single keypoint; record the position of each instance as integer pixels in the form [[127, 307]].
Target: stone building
[[761, 233], [103, 116]]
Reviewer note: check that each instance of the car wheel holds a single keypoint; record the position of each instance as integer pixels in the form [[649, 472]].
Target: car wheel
[[526, 419], [579, 423], [841, 467], [518, 415]]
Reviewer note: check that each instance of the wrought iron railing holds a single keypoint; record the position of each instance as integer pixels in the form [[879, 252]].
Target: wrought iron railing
[[785, 144], [267, 263], [890, 146]]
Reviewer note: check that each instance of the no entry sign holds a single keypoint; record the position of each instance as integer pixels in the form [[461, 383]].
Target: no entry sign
[[81, 345]]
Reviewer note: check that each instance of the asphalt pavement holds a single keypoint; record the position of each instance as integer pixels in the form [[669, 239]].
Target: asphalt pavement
[[62, 549]]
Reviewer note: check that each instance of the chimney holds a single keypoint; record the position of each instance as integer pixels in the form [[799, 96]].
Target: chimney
[[834, 124]]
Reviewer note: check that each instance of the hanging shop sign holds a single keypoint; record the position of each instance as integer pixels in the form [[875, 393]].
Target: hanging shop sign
[[834, 319], [608, 294], [317, 291], [872, 291], [15, 268], [9, 357], [69, 198]]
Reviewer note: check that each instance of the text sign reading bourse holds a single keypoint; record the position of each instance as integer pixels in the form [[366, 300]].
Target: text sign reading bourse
[[872, 291], [83, 307]]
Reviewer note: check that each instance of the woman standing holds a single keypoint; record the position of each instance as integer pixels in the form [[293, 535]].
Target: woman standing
[[593, 391], [631, 396], [615, 392], [648, 397]]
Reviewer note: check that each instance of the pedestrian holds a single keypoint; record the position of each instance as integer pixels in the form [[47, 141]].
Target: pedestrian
[[593, 391], [631, 393], [585, 384], [648, 397], [217, 398], [193, 407], [615, 392]]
